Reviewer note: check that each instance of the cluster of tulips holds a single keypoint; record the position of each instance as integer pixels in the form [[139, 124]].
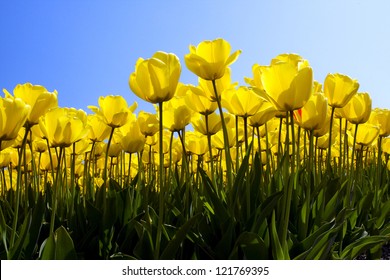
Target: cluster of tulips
[[283, 119]]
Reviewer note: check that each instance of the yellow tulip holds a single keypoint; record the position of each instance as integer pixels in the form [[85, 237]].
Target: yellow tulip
[[210, 59], [177, 115], [80, 147], [148, 123], [358, 109], [114, 111], [213, 120], [165, 143], [151, 140], [46, 161], [287, 84], [13, 115], [196, 143], [366, 134], [132, 139], [386, 146], [5, 157], [313, 114], [381, 118], [98, 130], [242, 102], [265, 113], [155, 79], [115, 149], [339, 89], [323, 141], [99, 149], [38, 97], [197, 100], [64, 126], [221, 84], [317, 87], [256, 80], [40, 145], [218, 142]]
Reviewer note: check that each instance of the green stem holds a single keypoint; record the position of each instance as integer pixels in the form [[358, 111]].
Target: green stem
[[237, 147], [55, 191], [246, 133], [161, 185], [279, 156], [105, 171], [351, 176], [329, 156], [379, 172], [341, 147], [18, 190], [229, 174], [210, 149]]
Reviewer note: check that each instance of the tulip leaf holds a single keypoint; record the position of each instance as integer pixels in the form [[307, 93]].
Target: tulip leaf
[[265, 209], [3, 229], [360, 246], [277, 250], [30, 243], [17, 252], [213, 199], [383, 215], [252, 246], [64, 248], [58, 246], [174, 244]]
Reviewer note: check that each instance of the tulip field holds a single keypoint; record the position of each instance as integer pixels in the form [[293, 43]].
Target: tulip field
[[283, 167]]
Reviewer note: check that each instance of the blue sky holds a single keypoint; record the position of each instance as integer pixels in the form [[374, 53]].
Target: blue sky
[[86, 49]]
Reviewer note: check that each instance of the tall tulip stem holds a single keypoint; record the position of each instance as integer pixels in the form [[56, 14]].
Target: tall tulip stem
[[225, 138], [210, 148], [55, 191], [161, 184], [18, 190], [330, 138]]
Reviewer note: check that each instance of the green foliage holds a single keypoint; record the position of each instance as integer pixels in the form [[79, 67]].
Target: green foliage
[[203, 219]]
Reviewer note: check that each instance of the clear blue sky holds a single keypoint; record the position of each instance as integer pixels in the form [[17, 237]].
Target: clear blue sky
[[86, 49]]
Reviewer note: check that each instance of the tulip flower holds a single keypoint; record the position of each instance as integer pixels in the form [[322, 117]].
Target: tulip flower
[[114, 111], [155, 79], [313, 114], [98, 130], [358, 109], [287, 85], [132, 139], [5, 157], [256, 80], [177, 114], [213, 121], [218, 139], [64, 126], [38, 97], [381, 118], [386, 146], [196, 143], [242, 102], [197, 100], [265, 113], [13, 115], [366, 134], [148, 123], [210, 59], [221, 85], [339, 89]]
